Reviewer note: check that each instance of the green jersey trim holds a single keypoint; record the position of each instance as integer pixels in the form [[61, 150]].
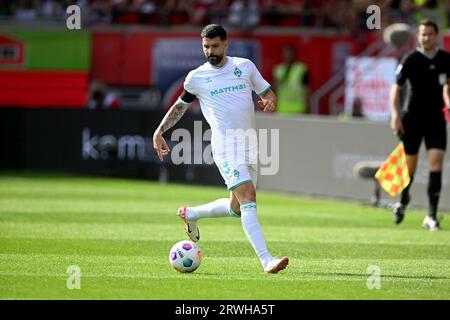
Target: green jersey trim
[[264, 91], [239, 184]]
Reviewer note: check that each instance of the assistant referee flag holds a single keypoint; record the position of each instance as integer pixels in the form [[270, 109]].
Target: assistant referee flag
[[393, 174]]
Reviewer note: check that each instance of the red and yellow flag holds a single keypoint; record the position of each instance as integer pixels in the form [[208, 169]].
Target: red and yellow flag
[[393, 174]]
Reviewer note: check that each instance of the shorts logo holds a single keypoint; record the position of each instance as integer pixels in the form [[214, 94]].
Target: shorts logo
[[231, 173], [237, 72], [235, 176]]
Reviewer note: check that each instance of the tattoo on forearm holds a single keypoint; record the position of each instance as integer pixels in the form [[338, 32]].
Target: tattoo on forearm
[[173, 116]]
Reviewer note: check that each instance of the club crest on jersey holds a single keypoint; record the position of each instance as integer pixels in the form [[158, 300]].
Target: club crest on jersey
[[237, 72]]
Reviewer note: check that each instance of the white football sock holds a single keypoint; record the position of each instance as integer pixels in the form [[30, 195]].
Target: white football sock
[[215, 209], [253, 231]]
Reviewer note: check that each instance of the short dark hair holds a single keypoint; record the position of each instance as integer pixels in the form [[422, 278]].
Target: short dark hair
[[429, 23], [214, 30]]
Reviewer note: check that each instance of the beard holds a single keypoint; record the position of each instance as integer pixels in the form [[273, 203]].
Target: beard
[[214, 60]]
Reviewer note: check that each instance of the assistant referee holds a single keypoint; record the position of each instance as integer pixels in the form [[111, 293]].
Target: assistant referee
[[426, 74]]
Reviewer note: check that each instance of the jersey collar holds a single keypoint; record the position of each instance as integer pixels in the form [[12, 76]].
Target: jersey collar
[[429, 56]]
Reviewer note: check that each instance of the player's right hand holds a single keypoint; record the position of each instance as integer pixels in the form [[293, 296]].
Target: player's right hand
[[397, 125], [160, 145]]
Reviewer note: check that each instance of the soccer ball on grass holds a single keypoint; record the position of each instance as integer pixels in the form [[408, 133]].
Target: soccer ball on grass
[[185, 256]]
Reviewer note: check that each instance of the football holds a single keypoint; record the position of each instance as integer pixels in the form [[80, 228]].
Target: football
[[185, 256]]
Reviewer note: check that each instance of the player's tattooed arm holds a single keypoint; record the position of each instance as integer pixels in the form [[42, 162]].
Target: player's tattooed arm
[[170, 119], [174, 115]]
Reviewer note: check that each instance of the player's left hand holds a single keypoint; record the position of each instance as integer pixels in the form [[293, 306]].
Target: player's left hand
[[160, 145], [266, 105]]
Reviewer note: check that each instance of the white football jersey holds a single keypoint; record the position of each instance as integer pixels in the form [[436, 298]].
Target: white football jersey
[[225, 96]]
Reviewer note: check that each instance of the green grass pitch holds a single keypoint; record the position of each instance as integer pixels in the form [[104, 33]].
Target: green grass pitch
[[119, 233]]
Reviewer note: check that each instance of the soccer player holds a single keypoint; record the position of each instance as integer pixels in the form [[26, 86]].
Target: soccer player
[[426, 71], [224, 88]]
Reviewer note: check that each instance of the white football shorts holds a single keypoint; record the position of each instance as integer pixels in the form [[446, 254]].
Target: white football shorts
[[236, 175]]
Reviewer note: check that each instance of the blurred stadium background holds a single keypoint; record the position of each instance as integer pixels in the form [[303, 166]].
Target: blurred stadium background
[[88, 101]]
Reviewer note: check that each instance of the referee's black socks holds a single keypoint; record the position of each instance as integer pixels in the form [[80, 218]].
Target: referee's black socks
[[434, 191]]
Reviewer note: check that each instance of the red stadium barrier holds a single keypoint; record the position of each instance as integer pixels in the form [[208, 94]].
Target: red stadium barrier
[[47, 89]]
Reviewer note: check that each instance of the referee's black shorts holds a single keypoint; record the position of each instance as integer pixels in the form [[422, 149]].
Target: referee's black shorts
[[432, 128]]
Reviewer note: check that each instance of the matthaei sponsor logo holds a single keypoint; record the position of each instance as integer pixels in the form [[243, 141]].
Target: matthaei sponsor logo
[[228, 89]]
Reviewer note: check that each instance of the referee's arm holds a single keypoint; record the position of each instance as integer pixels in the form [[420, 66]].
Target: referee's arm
[[447, 94], [396, 122]]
